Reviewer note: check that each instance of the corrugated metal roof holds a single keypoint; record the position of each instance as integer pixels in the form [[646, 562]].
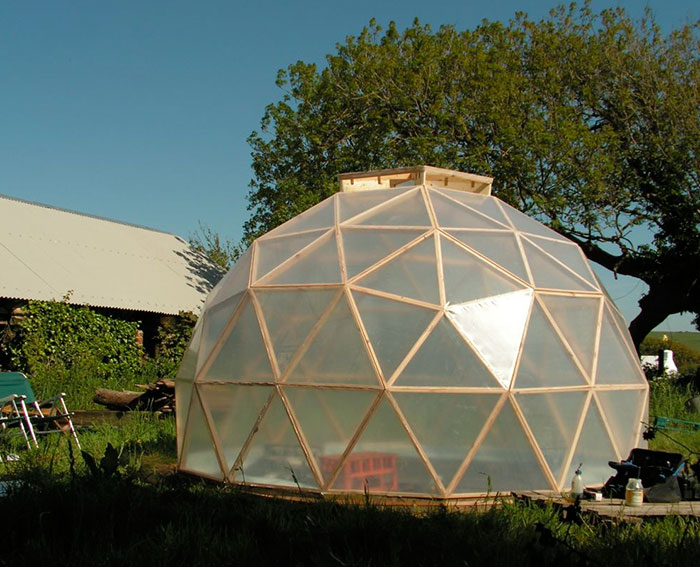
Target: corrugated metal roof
[[46, 252]]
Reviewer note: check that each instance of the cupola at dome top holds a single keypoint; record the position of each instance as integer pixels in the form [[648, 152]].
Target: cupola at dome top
[[412, 176]]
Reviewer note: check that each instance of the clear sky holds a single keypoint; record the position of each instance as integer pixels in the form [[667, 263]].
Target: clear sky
[[139, 110]]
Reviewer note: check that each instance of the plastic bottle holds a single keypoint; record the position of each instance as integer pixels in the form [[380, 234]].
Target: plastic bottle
[[634, 492], [577, 483]]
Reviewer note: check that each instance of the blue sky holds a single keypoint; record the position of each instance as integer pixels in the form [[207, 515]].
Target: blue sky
[[139, 110]]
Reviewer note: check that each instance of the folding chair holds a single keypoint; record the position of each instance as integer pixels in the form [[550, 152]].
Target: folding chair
[[13, 414], [40, 417]]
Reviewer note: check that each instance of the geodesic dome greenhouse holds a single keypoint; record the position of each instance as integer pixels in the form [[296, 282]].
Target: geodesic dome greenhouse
[[410, 335]]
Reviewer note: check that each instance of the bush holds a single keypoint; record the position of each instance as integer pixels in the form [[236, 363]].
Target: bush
[[69, 348], [687, 359], [64, 337]]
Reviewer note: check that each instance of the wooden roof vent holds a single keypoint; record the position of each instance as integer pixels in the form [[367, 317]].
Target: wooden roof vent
[[415, 175]]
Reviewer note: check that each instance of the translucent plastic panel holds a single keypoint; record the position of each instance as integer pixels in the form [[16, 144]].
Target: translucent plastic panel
[[594, 450], [467, 277], [504, 461], [271, 253], [188, 366], [553, 419], [624, 411], [366, 246], [183, 395], [318, 263], [445, 359], [354, 203], [384, 459], [545, 362], [499, 247], [619, 320], [318, 216], [198, 454], [616, 362], [495, 327], [484, 204], [577, 319], [214, 321], [393, 327], [451, 214], [234, 282], [274, 455], [407, 210], [290, 315], [446, 425], [568, 254], [524, 223], [234, 410], [328, 420], [337, 353], [549, 274], [412, 273], [242, 357]]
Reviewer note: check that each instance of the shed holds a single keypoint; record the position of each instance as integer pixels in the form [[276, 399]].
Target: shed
[[134, 272]]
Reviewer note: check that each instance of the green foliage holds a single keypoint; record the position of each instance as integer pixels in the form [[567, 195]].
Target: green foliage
[[72, 349], [667, 398], [173, 337], [587, 121], [222, 252], [64, 337], [687, 359], [75, 516]]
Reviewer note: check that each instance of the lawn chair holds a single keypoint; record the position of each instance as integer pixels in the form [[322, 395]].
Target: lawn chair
[[14, 416], [39, 417]]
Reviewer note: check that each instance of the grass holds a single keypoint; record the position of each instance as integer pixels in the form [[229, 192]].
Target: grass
[[61, 510], [690, 339]]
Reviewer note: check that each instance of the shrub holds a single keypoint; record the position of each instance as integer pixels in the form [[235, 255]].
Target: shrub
[[69, 348], [687, 359], [60, 336]]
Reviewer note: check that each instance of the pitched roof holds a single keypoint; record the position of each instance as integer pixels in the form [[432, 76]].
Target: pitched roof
[[46, 252]]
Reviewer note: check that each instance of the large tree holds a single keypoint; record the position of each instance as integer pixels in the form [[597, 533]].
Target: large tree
[[589, 122]]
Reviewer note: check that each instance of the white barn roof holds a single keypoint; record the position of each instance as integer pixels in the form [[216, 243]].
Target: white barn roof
[[46, 252]]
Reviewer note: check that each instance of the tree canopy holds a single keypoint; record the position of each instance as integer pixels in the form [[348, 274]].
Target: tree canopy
[[589, 122]]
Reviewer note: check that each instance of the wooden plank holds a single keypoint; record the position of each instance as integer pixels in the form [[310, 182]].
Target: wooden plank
[[615, 508]]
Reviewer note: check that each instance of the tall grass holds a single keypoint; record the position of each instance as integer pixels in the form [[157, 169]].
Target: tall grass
[[61, 511]]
